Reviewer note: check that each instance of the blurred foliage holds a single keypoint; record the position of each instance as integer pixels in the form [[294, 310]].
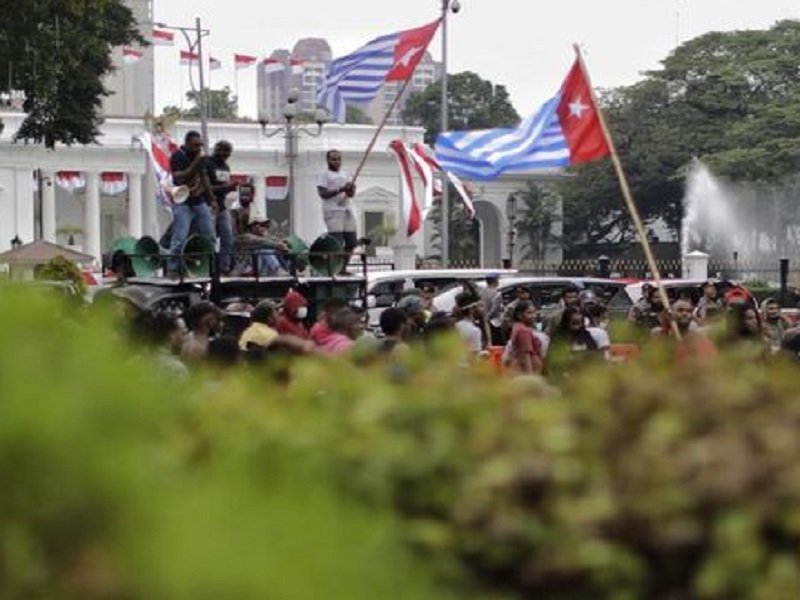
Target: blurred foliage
[[62, 269], [425, 479]]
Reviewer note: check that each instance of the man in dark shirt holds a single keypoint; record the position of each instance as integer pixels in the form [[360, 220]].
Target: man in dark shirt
[[187, 166], [219, 174]]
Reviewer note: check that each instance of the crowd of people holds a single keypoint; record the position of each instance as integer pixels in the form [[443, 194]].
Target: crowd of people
[[513, 333]]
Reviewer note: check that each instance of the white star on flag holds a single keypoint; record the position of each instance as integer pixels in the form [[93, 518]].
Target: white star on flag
[[406, 59], [576, 108]]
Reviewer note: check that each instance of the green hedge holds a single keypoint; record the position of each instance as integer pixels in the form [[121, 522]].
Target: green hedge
[[426, 480]]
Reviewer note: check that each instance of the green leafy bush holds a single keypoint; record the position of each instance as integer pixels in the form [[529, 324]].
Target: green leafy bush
[[421, 480]]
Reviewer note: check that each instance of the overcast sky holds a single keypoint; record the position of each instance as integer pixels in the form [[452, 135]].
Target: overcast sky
[[522, 44]]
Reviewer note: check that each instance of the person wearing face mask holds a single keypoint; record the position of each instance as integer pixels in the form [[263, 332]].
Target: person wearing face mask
[[293, 316]]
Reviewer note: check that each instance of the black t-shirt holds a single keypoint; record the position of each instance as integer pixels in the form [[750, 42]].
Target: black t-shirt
[[180, 161], [219, 173]]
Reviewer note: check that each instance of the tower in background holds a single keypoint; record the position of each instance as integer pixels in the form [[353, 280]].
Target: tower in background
[[132, 86]]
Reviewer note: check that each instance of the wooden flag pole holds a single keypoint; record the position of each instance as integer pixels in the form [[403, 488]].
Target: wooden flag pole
[[626, 193], [380, 128]]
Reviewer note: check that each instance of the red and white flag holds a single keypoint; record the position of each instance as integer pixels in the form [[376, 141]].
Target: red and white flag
[[297, 65], [113, 183], [418, 159], [273, 65], [70, 180], [159, 160], [189, 59], [242, 61], [277, 187], [409, 204], [163, 38], [214, 64], [131, 56]]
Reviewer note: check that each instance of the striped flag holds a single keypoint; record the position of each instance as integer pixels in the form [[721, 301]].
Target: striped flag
[[357, 77], [189, 59], [409, 205], [160, 37], [214, 64], [159, 160], [417, 158], [131, 56], [242, 61], [564, 131], [273, 65]]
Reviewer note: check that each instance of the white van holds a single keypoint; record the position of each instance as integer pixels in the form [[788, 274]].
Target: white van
[[384, 288]]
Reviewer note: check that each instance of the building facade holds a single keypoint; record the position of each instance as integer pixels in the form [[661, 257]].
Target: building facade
[[312, 56]]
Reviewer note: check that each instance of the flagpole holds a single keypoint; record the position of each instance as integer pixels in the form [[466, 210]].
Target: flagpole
[[628, 196], [380, 128]]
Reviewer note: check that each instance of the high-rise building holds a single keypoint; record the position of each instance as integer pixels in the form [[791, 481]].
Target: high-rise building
[[312, 57], [132, 86], [304, 69]]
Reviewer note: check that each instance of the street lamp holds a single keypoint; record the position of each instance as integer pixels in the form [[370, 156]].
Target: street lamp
[[202, 102], [16, 243], [291, 131], [511, 214], [447, 6]]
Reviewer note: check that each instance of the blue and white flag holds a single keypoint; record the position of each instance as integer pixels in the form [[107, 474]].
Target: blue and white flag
[[564, 131], [357, 77]]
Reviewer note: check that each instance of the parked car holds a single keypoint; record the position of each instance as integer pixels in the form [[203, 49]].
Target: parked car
[[385, 288], [545, 291]]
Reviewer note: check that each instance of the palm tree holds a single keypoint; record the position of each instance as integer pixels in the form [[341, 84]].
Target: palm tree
[[540, 211]]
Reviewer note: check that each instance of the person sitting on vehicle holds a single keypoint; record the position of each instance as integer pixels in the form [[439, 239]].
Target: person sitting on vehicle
[[254, 249], [293, 315], [524, 350]]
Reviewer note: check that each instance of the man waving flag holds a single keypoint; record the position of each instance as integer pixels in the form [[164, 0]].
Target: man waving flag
[[565, 131], [357, 77]]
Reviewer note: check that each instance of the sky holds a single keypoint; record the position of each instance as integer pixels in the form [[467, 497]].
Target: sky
[[522, 44]]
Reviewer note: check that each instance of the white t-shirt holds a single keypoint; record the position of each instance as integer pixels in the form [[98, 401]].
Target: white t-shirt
[[338, 211], [470, 334]]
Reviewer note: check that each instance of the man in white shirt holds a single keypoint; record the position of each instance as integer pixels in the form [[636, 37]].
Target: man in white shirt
[[336, 190], [466, 307]]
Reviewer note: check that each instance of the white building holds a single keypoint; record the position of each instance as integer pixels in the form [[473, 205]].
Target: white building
[[31, 197]]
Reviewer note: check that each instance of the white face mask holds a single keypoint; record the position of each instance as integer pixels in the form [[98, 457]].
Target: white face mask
[[302, 313]]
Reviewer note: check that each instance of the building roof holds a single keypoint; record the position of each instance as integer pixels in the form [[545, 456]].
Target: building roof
[[41, 252], [314, 49]]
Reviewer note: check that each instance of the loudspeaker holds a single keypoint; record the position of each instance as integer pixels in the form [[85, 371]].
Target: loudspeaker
[[326, 255], [116, 260], [299, 253], [198, 254], [146, 258]]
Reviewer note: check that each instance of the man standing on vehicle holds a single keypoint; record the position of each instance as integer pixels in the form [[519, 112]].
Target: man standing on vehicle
[[219, 175], [187, 166], [336, 190]]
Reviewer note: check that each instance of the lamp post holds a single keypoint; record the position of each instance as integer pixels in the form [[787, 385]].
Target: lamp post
[[447, 6], [511, 214], [291, 131], [196, 44]]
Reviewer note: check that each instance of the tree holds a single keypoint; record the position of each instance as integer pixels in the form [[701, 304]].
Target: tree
[[57, 52], [220, 104], [536, 218], [356, 116], [731, 99], [473, 103]]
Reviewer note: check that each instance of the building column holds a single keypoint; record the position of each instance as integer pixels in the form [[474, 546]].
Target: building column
[[91, 217], [260, 200], [49, 217], [135, 205]]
